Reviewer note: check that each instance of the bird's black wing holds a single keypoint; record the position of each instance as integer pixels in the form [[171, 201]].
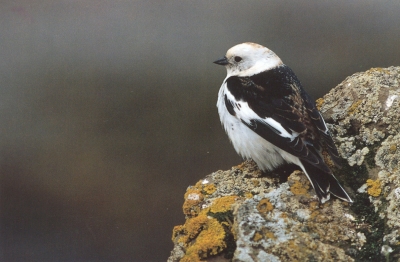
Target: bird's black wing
[[284, 114], [323, 130]]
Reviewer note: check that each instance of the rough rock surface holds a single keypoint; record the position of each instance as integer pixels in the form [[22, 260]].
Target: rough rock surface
[[245, 215]]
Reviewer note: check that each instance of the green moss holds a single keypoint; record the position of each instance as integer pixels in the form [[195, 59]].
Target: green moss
[[230, 243], [222, 216], [370, 157], [353, 176], [372, 226]]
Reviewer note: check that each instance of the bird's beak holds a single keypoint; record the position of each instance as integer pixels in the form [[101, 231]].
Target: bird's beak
[[222, 61]]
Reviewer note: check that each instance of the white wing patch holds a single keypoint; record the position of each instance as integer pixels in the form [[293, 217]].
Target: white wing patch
[[246, 114]]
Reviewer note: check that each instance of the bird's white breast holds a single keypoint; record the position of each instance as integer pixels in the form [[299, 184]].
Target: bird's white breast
[[246, 142]]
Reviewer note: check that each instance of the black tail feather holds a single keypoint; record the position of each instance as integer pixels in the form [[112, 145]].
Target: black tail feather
[[324, 183]]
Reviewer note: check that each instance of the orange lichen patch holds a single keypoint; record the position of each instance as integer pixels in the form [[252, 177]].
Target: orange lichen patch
[[193, 227], [193, 198], [298, 182], [314, 215], [392, 149], [374, 187], [319, 103], [299, 188], [223, 204], [314, 205], [209, 189], [265, 234], [354, 106], [202, 235], [248, 195], [210, 241], [269, 234], [177, 231], [241, 166], [257, 236], [264, 206]]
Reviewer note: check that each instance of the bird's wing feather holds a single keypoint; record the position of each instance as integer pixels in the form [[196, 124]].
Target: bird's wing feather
[[323, 130], [274, 105]]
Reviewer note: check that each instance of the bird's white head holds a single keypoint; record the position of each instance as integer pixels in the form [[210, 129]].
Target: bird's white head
[[248, 59]]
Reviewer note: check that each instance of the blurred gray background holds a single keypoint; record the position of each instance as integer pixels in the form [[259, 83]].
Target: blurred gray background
[[108, 109]]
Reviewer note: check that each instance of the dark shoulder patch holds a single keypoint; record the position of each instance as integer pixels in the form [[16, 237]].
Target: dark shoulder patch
[[267, 86], [277, 82], [268, 93]]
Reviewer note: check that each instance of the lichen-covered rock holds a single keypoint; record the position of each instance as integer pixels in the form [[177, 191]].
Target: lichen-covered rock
[[296, 227], [244, 215], [363, 113], [208, 230]]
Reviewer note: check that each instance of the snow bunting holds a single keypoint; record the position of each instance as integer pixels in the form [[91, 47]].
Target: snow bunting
[[270, 118]]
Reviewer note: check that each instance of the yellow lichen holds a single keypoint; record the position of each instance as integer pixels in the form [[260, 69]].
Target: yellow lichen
[[374, 187], [240, 166], [176, 231], [264, 206], [299, 188], [203, 235], [193, 227], [299, 184], [209, 189], [314, 215], [210, 241], [319, 103], [198, 185], [354, 106], [257, 237], [248, 195], [223, 204], [314, 205], [392, 148], [269, 234]]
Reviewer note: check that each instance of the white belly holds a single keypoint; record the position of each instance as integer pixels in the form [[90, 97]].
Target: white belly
[[250, 145]]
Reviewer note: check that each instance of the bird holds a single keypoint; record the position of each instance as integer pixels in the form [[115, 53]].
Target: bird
[[269, 118]]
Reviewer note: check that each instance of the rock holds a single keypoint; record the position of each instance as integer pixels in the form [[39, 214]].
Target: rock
[[245, 215]]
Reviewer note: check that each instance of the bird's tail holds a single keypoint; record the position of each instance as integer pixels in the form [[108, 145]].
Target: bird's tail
[[324, 183]]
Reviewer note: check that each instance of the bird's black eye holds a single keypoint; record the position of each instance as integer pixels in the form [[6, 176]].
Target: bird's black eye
[[238, 58]]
